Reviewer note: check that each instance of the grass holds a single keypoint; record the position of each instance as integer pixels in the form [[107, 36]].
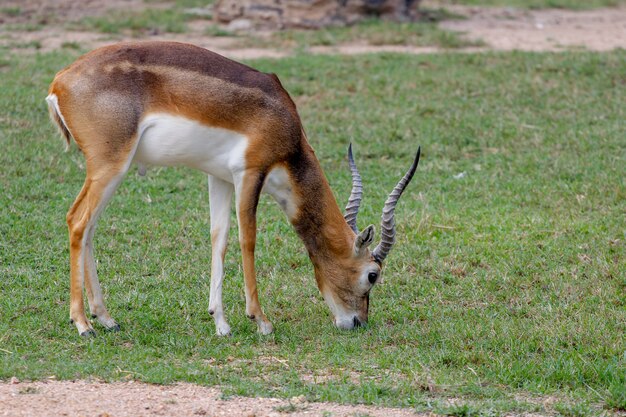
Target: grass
[[170, 20], [506, 287], [22, 27], [25, 45], [169, 16], [572, 410], [217, 30], [11, 11]]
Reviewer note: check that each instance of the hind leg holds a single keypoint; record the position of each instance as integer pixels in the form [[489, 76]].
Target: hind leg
[[81, 220], [103, 120], [94, 292]]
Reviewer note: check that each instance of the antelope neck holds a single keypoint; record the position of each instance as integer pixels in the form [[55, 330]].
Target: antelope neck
[[319, 221]]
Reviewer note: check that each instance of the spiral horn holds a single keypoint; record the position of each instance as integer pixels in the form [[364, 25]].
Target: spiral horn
[[352, 209], [387, 226]]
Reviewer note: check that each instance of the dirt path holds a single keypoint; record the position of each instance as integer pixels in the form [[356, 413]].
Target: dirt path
[[542, 30], [133, 399]]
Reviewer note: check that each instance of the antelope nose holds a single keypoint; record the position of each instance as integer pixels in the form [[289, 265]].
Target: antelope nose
[[356, 322]]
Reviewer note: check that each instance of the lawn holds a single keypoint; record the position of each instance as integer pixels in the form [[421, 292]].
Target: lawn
[[507, 285]]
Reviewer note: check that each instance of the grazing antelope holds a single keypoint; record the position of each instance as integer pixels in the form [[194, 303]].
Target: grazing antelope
[[166, 103]]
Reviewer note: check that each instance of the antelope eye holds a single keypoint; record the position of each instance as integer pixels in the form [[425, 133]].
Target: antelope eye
[[372, 276]]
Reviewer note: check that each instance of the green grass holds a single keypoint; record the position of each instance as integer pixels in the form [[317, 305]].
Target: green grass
[[22, 45], [538, 4], [217, 30], [25, 27], [506, 285], [171, 20], [572, 410], [11, 11]]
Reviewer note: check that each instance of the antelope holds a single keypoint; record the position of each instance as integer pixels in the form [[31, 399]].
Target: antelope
[[175, 104]]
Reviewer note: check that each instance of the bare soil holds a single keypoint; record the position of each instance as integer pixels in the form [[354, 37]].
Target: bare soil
[[542, 30], [134, 399], [497, 28]]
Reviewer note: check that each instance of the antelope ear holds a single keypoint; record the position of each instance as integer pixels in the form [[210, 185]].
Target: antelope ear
[[363, 240]]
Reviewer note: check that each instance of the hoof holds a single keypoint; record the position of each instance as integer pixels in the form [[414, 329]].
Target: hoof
[[93, 316], [222, 332], [211, 312], [115, 328], [88, 333], [265, 328], [251, 316]]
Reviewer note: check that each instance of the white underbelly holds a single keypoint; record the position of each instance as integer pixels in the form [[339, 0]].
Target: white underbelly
[[167, 140]]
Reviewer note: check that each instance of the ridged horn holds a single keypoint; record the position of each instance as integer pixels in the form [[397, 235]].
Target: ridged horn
[[387, 226], [352, 209]]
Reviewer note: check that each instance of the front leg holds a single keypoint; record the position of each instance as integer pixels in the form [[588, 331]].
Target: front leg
[[248, 188], [220, 200]]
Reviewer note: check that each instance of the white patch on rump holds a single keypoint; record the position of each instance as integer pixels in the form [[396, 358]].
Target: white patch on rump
[[167, 140], [53, 103]]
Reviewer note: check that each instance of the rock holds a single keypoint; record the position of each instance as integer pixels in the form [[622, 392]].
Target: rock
[[240, 25], [298, 400], [202, 12]]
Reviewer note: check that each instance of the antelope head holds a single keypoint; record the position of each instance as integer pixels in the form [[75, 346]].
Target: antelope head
[[346, 285]]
